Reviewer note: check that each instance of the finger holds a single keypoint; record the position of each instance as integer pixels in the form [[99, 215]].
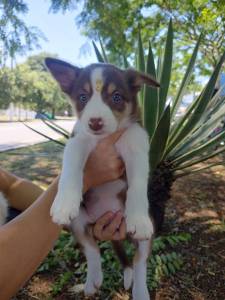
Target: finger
[[101, 223], [121, 169], [105, 219], [120, 234], [113, 138], [122, 230], [114, 225]]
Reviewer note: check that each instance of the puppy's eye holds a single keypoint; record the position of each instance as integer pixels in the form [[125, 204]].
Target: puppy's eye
[[83, 98], [117, 98]]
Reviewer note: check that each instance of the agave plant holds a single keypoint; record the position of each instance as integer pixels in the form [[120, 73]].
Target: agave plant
[[178, 144]]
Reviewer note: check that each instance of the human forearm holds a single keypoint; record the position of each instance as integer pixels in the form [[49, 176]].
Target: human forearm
[[24, 242], [20, 193]]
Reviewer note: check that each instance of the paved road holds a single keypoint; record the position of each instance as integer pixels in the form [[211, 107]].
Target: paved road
[[15, 135]]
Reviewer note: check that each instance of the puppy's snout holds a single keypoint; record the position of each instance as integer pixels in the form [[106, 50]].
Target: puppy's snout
[[96, 124]]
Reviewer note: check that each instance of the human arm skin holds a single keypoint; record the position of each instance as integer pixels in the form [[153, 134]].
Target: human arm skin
[[25, 241], [21, 193]]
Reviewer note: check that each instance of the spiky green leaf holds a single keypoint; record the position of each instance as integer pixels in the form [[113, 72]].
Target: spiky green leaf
[[98, 53], [103, 51], [200, 159], [44, 135], [159, 67], [199, 108], [140, 65], [150, 105], [200, 150], [166, 70], [186, 80], [56, 129], [204, 131], [197, 170], [159, 139]]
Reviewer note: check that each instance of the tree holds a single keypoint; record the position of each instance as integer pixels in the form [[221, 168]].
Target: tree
[[36, 88], [36, 62], [6, 95], [15, 36], [117, 22], [30, 85]]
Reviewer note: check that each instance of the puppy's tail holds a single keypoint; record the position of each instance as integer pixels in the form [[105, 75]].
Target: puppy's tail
[[127, 267], [3, 209]]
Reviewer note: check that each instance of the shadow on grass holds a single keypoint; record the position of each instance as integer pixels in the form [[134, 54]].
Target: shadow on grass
[[39, 163]]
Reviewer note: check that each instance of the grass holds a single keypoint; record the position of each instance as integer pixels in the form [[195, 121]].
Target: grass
[[39, 163]]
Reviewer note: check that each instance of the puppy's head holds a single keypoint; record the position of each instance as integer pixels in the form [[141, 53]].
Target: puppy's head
[[105, 97]]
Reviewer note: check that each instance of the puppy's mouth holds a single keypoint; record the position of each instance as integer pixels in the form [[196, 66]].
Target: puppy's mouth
[[98, 132], [102, 132]]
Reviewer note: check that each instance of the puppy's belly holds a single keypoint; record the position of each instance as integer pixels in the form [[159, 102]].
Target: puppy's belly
[[107, 197]]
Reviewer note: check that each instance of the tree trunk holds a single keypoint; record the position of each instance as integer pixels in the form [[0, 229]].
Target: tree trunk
[[159, 189]]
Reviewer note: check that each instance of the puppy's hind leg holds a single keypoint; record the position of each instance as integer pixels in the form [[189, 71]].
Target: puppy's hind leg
[[126, 264], [92, 253], [140, 290]]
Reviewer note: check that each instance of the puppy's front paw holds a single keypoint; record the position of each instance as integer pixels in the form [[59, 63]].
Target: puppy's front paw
[[139, 226], [65, 208]]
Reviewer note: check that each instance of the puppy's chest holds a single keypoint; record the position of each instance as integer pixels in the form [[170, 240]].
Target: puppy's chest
[[107, 197]]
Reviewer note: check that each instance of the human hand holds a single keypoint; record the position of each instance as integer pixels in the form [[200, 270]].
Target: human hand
[[104, 163], [110, 227]]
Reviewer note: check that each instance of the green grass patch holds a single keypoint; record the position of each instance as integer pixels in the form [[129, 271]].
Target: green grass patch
[[67, 261], [39, 163]]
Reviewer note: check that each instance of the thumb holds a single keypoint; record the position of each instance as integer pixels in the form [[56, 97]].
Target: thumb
[[113, 138]]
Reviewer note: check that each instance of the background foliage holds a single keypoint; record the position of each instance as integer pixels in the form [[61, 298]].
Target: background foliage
[[15, 36], [164, 262], [30, 85], [190, 18], [97, 18]]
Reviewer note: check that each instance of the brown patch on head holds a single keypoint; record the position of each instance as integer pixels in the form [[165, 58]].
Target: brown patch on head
[[117, 94], [111, 88], [87, 87], [137, 79], [64, 73], [82, 87]]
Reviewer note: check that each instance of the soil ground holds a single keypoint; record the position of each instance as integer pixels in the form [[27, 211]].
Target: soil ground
[[197, 206]]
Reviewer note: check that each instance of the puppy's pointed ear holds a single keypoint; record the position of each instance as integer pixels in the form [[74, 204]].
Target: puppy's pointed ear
[[137, 79], [63, 72]]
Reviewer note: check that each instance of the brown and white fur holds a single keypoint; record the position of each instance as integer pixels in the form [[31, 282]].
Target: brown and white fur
[[105, 99]]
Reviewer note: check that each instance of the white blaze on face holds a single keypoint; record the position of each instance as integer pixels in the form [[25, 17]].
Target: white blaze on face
[[96, 107]]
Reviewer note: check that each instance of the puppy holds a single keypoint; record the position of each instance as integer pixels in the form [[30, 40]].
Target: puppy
[[105, 99]]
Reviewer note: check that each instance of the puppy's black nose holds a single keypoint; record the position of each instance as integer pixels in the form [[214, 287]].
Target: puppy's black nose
[[95, 124]]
